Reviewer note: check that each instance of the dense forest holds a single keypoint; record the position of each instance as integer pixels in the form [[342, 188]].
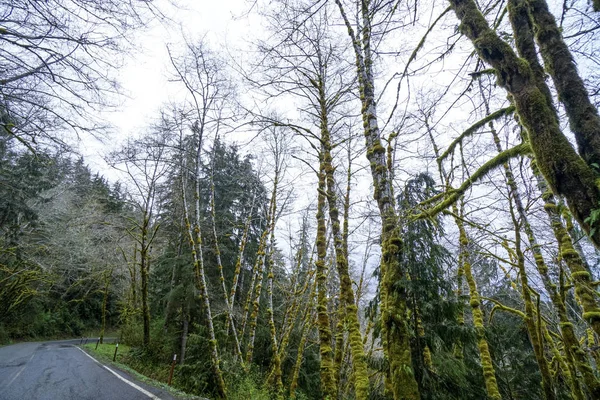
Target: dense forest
[[362, 199]]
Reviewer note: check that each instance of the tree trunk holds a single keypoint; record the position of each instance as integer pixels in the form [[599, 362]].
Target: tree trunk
[[530, 314], [489, 374], [328, 384], [195, 240], [565, 171], [184, 332], [275, 374], [400, 379], [361, 375], [583, 115], [107, 278], [307, 319], [260, 264], [238, 262], [144, 267], [228, 304]]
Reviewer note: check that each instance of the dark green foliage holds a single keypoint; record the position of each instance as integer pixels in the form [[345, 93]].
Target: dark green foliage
[[58, 233], [433, 306], [238, 191]]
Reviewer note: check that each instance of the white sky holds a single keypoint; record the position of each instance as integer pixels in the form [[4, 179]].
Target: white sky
[[144, 78]]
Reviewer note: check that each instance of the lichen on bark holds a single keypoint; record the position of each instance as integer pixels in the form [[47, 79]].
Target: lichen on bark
[[565, 171]]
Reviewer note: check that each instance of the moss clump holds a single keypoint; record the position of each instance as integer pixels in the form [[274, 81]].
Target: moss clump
[[592, 315]]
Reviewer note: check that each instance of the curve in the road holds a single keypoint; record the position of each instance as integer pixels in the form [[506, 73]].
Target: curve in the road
[[60, 370]]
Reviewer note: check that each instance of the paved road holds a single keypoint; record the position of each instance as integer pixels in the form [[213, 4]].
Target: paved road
[[61, 371]]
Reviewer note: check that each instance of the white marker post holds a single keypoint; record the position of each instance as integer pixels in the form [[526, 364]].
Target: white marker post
[[172, 369], [115, 356]]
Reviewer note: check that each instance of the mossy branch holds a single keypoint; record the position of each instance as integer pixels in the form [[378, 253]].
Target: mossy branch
[[454, 195], [478, 74], [473, 128], [500, 306]]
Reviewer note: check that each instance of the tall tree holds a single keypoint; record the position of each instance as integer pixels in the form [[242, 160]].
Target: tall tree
[[400, 379]]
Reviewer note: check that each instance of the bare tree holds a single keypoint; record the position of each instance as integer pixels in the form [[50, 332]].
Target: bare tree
[[144, 161], [58, 63]]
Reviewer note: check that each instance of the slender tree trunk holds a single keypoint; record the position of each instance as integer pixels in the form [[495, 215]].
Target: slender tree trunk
[[400, 379], [579, 273], [567, 366], [361, 375], [228, 304], [464, 272], [144, 271], [530, 314], [275, 376], [195, 240], [307, 324], [238, 262], [261, 259], [328, 384], [107, 278], [489, 374], [294, 312], [133, 273], [575, 355], [520, 20], [255, 273]]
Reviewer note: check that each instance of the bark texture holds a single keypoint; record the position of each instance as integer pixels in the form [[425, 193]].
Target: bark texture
[[583, 115], [328, 383], [565, 171]]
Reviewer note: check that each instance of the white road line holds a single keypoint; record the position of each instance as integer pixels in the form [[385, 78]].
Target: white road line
[[21, 370], [93, 359], [133, 385]]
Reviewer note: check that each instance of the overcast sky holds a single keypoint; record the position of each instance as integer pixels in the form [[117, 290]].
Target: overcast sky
[[144, 77]]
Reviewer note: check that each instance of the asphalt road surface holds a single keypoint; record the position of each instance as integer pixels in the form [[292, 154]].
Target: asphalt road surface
[[62, 371]]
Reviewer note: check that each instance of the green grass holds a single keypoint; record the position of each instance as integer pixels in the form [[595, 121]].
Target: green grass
[[106, 351]]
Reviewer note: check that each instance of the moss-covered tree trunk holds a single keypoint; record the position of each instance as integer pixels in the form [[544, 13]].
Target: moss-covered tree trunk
[[256, 267], [565, 171], [583, 114], [489, 374], [347, 299], [240, 256], [307, 324], [328, 383], [194, 234], [217, 249], [400, 378], [144, 272], [533, 330], [293, 311], [275, 378], [566, 366], [465, 273], [259, 268], [133, 282], [107, 279], [576, 358], [582, 279]]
